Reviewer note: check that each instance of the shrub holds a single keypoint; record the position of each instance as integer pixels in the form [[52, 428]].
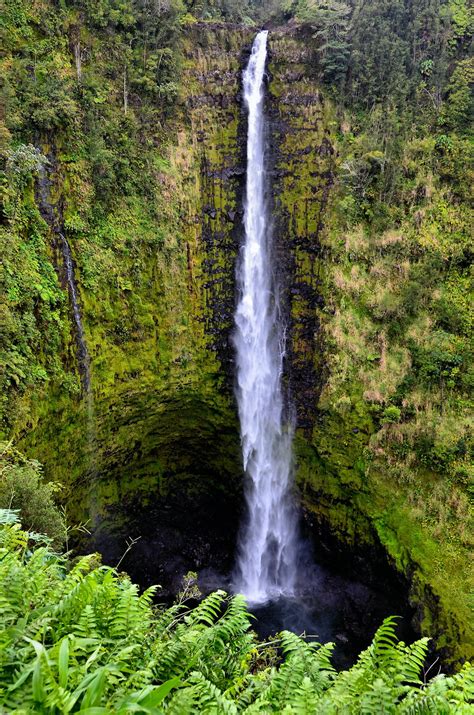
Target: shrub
[[22, 488], [391, 414], [83, 639]]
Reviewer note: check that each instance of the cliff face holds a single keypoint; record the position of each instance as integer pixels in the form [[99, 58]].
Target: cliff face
[[152, 445], [156, 429], [303, 173]]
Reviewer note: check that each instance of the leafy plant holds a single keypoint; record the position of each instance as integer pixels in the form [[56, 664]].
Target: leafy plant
[[80, 637], [391, 414], [22, 488]]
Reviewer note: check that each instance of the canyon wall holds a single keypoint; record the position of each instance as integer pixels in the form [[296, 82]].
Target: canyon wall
[[153, 447]]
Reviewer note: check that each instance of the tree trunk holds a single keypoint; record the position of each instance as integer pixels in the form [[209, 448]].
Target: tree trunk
[[125, 91], [77, 58]]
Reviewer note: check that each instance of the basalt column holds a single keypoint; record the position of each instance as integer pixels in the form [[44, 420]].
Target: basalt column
[[302, 163]]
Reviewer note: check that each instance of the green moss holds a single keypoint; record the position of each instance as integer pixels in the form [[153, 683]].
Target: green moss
[[146, 212], [360, 503]]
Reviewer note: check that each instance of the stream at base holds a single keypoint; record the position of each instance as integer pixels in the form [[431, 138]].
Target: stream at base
[[332, 608], [343, 598]]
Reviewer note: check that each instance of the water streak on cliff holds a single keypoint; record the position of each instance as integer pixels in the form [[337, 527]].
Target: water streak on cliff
[[82, 352], [50, 216]]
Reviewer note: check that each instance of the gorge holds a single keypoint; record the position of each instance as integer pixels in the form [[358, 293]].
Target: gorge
[[235, 324]]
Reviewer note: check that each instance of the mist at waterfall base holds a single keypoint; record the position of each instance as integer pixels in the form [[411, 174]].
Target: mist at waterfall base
[[330, 604]]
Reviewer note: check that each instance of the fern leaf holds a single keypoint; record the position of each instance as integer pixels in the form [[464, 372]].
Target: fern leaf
[[208, 610]]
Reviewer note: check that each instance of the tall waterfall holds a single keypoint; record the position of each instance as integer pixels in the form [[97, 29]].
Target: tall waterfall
[[266, 566]]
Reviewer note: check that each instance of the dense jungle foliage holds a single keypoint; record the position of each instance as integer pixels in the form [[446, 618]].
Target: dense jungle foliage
[[77, 636], [92, 97], [106, 76], [401, 251]]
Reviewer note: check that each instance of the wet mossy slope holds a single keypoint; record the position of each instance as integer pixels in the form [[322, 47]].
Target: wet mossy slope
[[155, 281], [372, 443], [154, 248]]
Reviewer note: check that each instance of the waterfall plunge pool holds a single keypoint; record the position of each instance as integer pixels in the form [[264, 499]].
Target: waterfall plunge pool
[[342, 596], [330, 607]]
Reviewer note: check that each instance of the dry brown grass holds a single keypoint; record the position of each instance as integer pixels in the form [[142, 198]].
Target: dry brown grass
[[351, 332], [352, 283], [381, 379], [389, 238], [357, 241]]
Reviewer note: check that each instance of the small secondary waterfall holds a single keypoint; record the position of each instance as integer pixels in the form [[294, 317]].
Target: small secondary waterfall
[[266, 565], [82, 352], [49, 215]]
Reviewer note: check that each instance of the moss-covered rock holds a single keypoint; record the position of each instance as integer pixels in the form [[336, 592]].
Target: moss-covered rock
[[154, 264], [155, 287]]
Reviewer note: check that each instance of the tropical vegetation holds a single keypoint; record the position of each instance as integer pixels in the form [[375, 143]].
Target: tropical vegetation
[[77, 636], [122, 134]]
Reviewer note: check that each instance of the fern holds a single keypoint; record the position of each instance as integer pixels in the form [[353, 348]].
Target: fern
[[128, 613], [208, 610], [9, 516], [83, 639], [378, 698], [183, 702], [304, 700], [209, 698], [426, 705], [383, 644], [87, 624], [412, 660]]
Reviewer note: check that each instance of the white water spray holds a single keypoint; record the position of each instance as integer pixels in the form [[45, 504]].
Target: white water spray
[[267, 559]]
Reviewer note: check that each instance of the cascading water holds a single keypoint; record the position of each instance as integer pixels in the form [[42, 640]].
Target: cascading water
[[82, 352], [267, 558], [49, 213]]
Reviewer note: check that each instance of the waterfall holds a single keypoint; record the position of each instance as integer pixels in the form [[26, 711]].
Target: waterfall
[[82, 352], [49, 214], [267, 554]]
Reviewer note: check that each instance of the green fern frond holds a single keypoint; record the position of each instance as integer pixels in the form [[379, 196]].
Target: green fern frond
[[412, 660], [146, 599], [426, 705], [172, 658], [183, 702], [208, 611], [130, 613], [209, 697], [87, 624], [378, 699], [286, 680], [9, 516], [384, 641], [323, 655], [291, 643]]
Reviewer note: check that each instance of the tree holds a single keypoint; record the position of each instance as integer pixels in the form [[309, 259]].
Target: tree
[[330, 20], [458, 110]]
